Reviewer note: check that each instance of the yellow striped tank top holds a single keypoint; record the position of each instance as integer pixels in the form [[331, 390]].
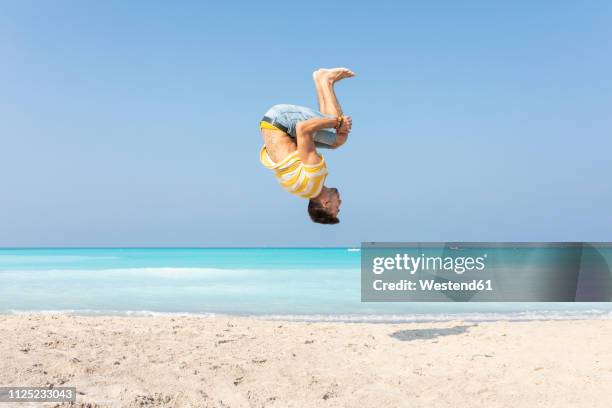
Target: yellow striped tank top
[[303, 180]]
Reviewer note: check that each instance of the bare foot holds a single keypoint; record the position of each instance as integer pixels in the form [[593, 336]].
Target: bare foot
[[332, 75]]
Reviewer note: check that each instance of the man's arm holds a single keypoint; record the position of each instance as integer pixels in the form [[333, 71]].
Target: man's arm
[[305, 132]]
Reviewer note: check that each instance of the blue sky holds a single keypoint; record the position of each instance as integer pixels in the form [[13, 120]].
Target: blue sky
[[135, 123]]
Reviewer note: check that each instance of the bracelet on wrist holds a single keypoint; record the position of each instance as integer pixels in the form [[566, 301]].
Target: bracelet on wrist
[[340, 120]]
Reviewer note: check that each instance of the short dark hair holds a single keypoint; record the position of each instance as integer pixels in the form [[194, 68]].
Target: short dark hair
[[318, 213]]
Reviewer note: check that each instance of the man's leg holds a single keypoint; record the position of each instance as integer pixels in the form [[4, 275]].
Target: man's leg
[[324, 81]]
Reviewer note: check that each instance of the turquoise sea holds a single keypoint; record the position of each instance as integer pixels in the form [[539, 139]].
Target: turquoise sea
[[287, 283]]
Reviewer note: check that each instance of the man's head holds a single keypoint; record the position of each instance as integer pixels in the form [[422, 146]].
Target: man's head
[[324, 208]]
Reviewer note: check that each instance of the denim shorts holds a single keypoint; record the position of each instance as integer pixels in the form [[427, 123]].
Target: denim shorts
[[290, 115]]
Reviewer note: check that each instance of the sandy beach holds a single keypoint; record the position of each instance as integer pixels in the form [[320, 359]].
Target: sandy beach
[[245, 362]]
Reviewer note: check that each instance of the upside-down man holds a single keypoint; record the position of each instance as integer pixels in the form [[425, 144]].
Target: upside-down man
[[291, 136]]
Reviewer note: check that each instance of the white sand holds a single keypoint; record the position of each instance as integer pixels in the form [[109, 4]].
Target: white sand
[[239, 362]]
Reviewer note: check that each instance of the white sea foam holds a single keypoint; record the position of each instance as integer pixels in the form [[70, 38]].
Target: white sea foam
[[90, 312], [122, 272], [441, 317], [51, 259], [348, 318]]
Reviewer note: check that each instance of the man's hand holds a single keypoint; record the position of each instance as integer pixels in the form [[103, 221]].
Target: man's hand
[[343, 131], [347, 124]]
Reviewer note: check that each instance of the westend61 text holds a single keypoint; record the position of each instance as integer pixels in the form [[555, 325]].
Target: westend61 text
[[430, 285]]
